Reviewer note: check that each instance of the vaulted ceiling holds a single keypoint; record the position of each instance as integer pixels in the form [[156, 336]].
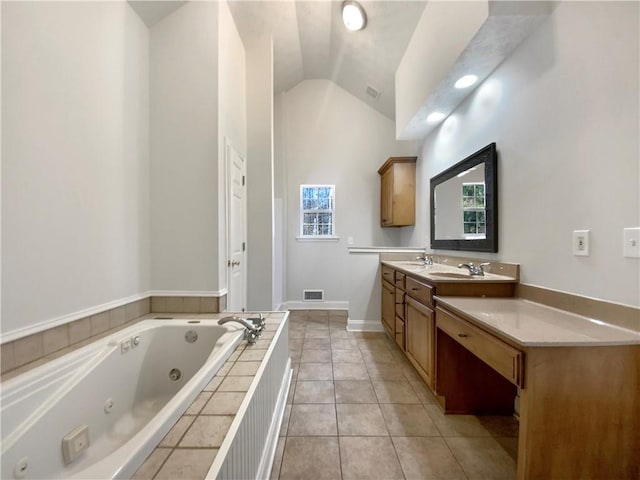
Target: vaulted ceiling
[[310, 41]]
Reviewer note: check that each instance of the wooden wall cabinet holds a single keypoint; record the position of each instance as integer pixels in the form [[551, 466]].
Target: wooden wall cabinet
[[398, 192]]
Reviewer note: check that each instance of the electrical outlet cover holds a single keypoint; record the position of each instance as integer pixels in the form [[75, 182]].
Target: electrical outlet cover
[[631, 245], [74, 443], [581, 243]]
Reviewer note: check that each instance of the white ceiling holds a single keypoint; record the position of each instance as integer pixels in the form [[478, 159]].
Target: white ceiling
[[310, 41]]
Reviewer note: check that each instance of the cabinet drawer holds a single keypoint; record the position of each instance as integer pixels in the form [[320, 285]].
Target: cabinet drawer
[[387, 274], [400, 280], [420, 291], [500, 356]]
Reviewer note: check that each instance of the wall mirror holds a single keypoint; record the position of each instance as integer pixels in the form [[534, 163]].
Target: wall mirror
[[464, 204]]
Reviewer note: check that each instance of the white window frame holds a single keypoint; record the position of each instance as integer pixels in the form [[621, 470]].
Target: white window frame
[[474, 209], [332, 211]]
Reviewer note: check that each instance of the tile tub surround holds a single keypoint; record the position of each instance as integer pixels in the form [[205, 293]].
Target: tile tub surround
[[360, 411], [31, 351], [190, 448]]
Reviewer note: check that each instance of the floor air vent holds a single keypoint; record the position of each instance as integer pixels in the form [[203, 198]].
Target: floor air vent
[[313, 295]]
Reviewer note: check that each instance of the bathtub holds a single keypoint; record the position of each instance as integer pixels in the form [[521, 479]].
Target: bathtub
[[128, 388]]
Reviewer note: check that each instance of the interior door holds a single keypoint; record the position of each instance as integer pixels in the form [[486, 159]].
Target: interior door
[[236, 228]]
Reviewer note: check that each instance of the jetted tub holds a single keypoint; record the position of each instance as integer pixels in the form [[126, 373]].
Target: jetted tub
[[129, 396]]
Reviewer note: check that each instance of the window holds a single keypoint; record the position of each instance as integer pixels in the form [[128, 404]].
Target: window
[[317, 211], [473, 209]]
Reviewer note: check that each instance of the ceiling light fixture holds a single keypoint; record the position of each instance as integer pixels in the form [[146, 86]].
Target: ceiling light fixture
[[435, 117], [466, 81], [353, 15]]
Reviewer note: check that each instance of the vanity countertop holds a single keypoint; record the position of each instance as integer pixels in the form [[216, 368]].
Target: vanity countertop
[[531, 324], [440, 273]]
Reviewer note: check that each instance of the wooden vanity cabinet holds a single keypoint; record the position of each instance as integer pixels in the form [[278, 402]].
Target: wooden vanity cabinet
[[389, 307], [398, 192], [420, 326], [400, 310]]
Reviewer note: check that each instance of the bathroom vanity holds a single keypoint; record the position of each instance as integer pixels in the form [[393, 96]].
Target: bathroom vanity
[[476, 345]]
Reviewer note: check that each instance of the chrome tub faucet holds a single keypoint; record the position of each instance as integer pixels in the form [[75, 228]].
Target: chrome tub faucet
[[253, 326]]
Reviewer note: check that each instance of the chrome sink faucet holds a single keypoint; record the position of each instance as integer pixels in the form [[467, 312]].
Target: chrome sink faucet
[[253, 326], [427, 259], [474, 270]]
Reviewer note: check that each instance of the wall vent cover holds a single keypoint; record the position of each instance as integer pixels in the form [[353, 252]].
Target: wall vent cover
[[313, 295], [372, 92]]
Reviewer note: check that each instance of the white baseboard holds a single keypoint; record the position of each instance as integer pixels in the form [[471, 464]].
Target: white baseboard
[[187, 293], [316, 305], [269, 452], [364, 326]]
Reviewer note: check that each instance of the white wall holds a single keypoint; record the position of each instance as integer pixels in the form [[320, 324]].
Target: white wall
[[563, 110], [260, 198], [232, 117], [184, 150], [75, 166], [331, 137]]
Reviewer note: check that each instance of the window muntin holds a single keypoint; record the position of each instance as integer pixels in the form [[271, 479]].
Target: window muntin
[[317, 211], [473, 209]]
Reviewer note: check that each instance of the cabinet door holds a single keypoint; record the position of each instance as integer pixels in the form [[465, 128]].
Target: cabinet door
[[389, 307], [420, 325], [386, 198]]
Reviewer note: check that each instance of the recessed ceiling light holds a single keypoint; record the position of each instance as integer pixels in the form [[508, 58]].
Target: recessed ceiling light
[[435, 117], [353, 15], [466, 81]]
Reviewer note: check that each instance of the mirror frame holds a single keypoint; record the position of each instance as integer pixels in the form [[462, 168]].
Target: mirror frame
[[489, 156]]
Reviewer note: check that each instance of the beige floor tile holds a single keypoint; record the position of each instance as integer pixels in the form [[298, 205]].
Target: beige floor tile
[[277, 459], [223, 403], [482, 458], [427, 458], [354, 391], [389, 391], [315, 371], [314, 392], [189, 464], [235, 384], [200, 401], [384, 371], [350, 371], [225, 368], [284, 426], [369, 458], [377, 356], [344, 344], [346, 356], [316, 343], [252, 355], [423, 393], [307, 458], [363, 419], [510, 445], [456, 425], [174, 436], [152, 464], [312, 420], [244, 368], [318, 333], [315, 356], [207, 431], [408, 420], [341, 334], [500, 425]]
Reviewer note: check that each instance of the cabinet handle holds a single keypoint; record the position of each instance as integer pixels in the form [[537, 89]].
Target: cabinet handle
[[415, 289], [463, 335]]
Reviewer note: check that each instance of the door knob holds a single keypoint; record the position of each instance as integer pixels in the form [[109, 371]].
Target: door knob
[[235, 262]]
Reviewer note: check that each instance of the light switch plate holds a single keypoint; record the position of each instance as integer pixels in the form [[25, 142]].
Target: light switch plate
[[631, 242], [581, 243]]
